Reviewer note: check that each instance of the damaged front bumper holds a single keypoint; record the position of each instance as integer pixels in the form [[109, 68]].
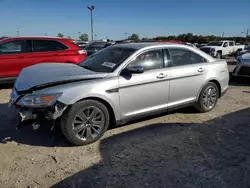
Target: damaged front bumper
[[36, 116]]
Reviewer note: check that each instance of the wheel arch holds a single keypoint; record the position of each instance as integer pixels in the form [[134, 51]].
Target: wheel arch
[[213, 81], [217, 84]]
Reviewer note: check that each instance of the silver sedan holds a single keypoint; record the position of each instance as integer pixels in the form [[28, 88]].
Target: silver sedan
[[118, 84]]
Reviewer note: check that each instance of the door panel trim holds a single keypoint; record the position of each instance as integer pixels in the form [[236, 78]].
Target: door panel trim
[[157, 80]]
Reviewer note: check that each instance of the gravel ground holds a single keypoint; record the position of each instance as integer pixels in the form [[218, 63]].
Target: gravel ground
[[180, 149]]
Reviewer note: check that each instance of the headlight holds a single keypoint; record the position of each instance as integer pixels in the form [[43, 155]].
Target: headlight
[[41, 100], [212, 50]]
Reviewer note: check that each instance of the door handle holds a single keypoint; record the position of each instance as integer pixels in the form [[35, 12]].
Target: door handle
[[161, 75], [201, 70]]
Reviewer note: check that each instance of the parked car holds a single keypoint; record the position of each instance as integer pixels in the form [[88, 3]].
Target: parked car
[[20, 52], [190, 44], [94, 47], [81, 44], [118, 84], [1, 38], [219, 49], [246, 50], [242, 68], [171, 41]]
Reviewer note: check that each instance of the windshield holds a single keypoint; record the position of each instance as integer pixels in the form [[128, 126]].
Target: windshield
[[107, 60], [214, 44]]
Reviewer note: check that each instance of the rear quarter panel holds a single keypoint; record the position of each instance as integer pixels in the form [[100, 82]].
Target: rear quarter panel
[[218, 70]]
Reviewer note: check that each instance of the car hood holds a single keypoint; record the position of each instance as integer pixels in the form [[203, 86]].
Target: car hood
[[48, 74]]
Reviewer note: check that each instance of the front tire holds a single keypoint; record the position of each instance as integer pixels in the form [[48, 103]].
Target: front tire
[[85, 122], [208, 98]]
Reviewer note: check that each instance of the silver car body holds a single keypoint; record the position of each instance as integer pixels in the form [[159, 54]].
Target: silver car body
[[151, 91]]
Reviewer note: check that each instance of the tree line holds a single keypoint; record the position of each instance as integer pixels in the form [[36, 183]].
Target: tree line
[[189, 37], [82, 37]]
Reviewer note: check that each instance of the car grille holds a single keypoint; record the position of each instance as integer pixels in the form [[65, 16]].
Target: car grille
[[244, 71], [206, 50]]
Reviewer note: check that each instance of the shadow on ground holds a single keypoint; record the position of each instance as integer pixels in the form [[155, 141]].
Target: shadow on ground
[[211, 154], [239, 81], [44, 136], [41, 137], [6, 86], [231, 62], [214, 154]]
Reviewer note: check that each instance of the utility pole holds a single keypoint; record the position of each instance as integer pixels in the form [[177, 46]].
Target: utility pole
[[246, 34], [91, 17], [223, 34], [126, 36], [17, 33], [79, 34]]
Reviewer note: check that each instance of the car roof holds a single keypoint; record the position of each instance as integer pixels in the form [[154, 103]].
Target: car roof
[[140, 45], [38, 37]]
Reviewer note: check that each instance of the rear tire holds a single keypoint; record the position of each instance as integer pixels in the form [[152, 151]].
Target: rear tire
[[237, 53], [208, 98], [219, 55], [85, 122]]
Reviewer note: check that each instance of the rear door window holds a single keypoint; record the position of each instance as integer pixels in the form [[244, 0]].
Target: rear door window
[[180, 57], [13, 47], [47, 46], [231, 43]]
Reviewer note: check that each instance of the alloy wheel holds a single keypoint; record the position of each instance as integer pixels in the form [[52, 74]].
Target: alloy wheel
[[88, 123], [209, 97]]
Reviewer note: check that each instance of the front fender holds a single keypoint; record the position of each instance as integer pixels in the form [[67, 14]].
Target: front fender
[[112, 99], [74, 92]]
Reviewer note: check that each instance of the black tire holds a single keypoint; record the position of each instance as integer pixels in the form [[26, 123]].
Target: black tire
[[218, 55], [200, 105], [76, 114]]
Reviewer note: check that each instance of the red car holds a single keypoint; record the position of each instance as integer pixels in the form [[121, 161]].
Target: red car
[[20, 52]]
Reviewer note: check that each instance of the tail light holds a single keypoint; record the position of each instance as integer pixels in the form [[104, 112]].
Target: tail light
[[81, 52]]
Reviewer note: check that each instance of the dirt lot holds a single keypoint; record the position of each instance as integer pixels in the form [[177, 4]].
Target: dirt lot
[[181, 149]]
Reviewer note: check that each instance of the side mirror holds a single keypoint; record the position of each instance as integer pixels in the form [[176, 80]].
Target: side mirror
[[135, 69]]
